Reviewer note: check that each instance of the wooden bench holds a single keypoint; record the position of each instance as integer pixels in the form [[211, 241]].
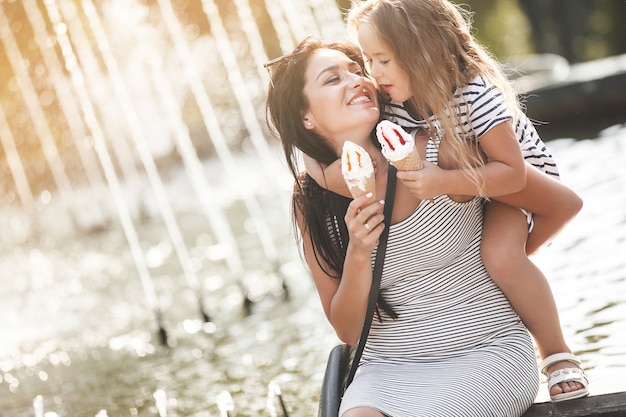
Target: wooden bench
[[603, 404], [607, 405]]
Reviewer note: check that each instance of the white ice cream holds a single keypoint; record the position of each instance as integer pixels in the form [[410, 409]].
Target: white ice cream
[[356, 165], [396, 143]]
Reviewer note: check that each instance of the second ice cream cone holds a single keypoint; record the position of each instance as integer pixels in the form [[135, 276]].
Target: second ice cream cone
[[398, 146], [411, 162]]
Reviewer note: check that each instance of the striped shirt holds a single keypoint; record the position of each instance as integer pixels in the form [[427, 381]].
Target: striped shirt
[[481, 107]]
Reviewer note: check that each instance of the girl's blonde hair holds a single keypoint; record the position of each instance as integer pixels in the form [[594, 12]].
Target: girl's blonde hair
[[432, 42]]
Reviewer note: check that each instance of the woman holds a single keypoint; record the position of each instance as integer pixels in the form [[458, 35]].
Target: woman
[[447, 342]]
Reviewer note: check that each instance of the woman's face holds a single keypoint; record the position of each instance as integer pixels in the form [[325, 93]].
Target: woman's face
[[343, 103], [383, 65]]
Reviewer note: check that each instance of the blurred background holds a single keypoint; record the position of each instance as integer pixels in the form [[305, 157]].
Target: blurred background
[[147, 260]]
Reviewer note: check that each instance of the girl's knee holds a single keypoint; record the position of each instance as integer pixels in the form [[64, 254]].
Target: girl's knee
[[576, 205], [499, 259], [570, 206]]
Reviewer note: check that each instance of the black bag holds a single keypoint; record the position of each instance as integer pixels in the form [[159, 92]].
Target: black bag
[[344, 359], [335, 379]]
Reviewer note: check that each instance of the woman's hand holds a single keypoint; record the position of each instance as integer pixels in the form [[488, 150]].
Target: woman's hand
[[364, 220]]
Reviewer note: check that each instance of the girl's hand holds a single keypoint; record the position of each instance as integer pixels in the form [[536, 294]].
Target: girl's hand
[[426, 183], [364, 220]]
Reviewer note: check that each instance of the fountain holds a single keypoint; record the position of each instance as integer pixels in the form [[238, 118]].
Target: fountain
[[210, 118], [35, 110], [85, 73], [107, 122], [15, 165]]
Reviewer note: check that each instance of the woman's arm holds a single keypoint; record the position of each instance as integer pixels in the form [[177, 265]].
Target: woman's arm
[[327, 176], [345, 301]]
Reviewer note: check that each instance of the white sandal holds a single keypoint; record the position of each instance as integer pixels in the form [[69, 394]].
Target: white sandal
[[565, 375]]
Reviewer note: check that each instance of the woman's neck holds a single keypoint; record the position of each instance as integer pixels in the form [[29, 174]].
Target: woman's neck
[[377, 155]]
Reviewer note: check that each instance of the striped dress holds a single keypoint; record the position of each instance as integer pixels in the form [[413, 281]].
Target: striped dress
[[482, 108], [457, 347]]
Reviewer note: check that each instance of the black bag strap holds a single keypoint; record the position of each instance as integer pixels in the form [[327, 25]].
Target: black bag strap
[[378, 271]]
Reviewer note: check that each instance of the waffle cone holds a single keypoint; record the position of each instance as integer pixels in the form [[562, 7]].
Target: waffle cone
[[370, 187], [412, 162]]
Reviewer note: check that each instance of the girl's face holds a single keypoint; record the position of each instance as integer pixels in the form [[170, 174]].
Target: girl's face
[[342, 102], [383, 65]]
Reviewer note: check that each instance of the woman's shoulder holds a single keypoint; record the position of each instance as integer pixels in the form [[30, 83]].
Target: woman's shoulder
[[307, 191]]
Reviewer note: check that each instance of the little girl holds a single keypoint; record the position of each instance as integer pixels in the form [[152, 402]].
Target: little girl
[[423, 56]]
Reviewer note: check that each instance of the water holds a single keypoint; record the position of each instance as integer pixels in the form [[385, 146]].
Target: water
[[146, 201]]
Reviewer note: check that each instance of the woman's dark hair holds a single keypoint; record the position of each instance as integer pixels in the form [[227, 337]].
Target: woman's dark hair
[[286, 102], [323, 211]]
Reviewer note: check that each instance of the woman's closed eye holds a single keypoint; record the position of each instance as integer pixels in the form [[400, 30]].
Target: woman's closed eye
[[331, 80], [336, 78]]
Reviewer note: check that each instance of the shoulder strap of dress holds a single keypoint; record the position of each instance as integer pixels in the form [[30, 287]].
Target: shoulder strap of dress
[[377, 273]]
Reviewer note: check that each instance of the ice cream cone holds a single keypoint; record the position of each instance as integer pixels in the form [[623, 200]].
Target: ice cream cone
[[412, 162], [357, 170], [370, 187], [398, 146]]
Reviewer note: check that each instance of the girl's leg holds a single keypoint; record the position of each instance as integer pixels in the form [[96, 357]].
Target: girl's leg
[[504, 254], [552, 203]]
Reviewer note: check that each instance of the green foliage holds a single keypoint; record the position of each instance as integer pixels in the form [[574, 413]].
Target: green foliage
[[579, 30], [501, 26]]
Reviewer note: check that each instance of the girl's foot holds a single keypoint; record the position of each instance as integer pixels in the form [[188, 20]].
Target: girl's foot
[[565, 382]]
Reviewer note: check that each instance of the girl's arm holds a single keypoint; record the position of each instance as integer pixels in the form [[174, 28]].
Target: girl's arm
[[503, 173], [327, 176], [345, 301]]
